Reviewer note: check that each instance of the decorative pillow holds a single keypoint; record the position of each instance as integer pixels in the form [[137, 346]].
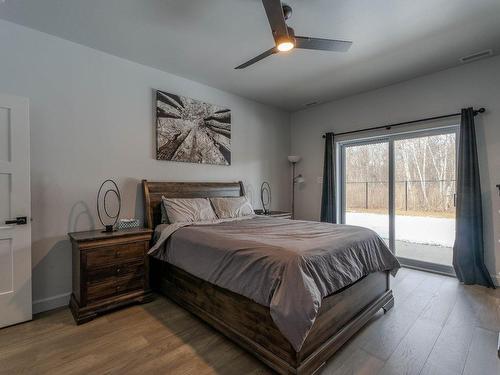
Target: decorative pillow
[[164, 217], [188, 209], [232, 207]]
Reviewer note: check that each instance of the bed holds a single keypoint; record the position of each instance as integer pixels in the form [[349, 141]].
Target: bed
[[248, 323]]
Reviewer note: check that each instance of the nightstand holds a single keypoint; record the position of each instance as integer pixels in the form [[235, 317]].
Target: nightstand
[[281, 214], [110, 270]]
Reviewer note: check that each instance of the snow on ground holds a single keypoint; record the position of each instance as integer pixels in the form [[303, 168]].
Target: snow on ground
[[415, 229]]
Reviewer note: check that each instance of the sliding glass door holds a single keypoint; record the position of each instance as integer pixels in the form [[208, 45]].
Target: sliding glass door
[[425, 170], [366, 187], [403, 187]]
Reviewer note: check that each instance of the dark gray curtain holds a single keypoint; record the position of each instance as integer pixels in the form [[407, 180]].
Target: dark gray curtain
[[468, 251], [328, 209]]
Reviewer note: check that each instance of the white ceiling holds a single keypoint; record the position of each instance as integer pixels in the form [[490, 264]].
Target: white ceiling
[[204, 40]]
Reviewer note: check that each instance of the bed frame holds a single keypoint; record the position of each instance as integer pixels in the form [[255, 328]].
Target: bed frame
[[244, 321]]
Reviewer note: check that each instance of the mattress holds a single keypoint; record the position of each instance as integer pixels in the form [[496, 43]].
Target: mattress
[[286, 265]]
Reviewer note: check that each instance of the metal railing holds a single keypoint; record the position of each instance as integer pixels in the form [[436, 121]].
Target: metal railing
[[426, 195]]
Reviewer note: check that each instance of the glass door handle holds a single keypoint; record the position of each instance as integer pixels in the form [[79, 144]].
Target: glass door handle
[[22, 220]]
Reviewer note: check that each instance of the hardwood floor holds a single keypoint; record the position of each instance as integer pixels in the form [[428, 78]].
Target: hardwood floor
[[437, 327]]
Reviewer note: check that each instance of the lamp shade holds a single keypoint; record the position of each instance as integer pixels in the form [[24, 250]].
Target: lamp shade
[[294, 158]]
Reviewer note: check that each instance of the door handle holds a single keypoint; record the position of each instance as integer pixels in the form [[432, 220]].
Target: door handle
[[22, 220]]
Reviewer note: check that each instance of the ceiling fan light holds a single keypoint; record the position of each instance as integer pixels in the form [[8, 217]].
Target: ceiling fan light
[[285, 46], [286, 42]]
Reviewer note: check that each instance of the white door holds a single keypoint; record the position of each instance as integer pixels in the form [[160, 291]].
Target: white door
[[15, 212]]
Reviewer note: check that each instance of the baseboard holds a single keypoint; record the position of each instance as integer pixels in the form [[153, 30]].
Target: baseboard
[[496, 280], [51, 303]]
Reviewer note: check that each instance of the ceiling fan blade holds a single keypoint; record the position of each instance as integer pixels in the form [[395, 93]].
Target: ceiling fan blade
[[263, 55], [274, 11], [305, 42]]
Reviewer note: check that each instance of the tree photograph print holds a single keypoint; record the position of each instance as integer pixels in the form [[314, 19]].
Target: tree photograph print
[[188, 130]]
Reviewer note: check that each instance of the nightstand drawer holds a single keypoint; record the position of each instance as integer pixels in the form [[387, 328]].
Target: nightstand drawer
[[135, 268], [283, 216], [279, 214], [101, 257], [113, 287]]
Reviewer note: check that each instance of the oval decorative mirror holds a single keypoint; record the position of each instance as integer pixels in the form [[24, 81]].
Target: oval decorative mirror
[[265, 197], [109, 204]]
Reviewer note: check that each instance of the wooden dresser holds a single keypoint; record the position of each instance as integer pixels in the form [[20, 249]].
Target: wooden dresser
[[110, 270]]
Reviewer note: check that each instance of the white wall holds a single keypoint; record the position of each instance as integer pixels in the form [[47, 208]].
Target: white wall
[[476, 84], [91, 119]]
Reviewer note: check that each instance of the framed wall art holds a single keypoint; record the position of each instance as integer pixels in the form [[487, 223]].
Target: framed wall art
[[189, 130]]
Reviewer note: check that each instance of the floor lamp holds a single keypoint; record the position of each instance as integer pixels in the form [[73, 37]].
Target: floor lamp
[[294, 159]]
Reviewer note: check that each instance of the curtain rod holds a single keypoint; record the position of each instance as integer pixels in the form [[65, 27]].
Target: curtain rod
[[388, 127]]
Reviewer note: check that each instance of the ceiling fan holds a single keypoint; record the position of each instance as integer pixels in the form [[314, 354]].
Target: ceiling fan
[[285, 38]]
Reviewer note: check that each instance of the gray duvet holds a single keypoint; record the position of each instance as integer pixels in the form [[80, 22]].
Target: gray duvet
[[287, 265]]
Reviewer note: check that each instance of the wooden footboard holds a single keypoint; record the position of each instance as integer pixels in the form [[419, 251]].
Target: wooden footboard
[[250, 325]]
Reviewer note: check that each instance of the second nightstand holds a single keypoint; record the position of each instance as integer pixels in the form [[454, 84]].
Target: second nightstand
[[110, 270], [281, 214]]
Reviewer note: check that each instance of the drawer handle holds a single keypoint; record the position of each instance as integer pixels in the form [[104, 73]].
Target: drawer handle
[[118, 288], [118, 270], [117, 254]]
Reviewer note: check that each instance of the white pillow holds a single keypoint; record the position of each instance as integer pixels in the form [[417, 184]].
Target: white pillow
[[232, 207], [181, 210]]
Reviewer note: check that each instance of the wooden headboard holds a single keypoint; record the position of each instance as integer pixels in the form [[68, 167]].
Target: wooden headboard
[[154, 190]]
